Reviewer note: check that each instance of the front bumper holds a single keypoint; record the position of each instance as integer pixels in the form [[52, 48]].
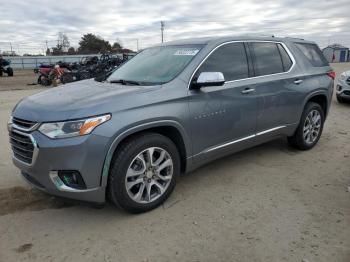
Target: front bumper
[[85, 154], [343, 88]]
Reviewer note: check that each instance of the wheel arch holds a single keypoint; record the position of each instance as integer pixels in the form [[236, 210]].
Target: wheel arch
[[320, 98], [169, 128]]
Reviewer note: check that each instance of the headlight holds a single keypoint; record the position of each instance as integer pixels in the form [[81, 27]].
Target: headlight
[[72, 128], [342, 76]]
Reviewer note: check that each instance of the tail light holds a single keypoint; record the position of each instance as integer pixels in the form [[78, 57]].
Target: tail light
[[331, 74]]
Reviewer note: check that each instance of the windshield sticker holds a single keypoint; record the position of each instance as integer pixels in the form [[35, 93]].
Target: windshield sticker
[[190, 52]]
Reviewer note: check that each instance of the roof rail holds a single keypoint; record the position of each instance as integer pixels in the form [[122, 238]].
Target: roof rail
[[298, 38]]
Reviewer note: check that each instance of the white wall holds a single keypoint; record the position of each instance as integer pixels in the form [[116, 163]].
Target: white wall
[[328, 53]]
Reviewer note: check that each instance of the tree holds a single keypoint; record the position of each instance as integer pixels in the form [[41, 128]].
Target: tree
[[116, 47], [63, 41], [48, 52], [71, 51], [58, 50], [92, 44]]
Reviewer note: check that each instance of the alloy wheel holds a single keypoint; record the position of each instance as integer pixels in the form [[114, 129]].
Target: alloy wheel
[[312, 126], [149, 175]]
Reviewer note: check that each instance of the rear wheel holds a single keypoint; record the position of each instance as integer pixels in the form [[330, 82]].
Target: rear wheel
[[143, 172], [9, 71], [310, 127]]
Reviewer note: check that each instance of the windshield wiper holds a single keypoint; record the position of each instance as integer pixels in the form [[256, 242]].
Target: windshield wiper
[[125, 82]]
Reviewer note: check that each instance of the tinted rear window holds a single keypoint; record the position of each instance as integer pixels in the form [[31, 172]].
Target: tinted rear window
[[229, 59], [267, 58], [313, 54]]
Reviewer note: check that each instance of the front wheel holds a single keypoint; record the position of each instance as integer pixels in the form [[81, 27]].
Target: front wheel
[[310, 127], [144, 172], [340, 99]]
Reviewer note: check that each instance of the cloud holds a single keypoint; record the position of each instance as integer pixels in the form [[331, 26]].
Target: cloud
[[28, 24]]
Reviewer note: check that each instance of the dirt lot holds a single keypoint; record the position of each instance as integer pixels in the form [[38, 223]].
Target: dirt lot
[[23, 80], [269, 203]]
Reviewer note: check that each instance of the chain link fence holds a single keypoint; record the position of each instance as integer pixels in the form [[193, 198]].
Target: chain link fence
[[31, 62]]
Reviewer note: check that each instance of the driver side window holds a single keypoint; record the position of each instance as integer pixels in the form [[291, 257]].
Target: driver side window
[[229, 59]]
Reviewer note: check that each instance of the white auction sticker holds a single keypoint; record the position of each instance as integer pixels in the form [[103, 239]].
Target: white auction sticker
[[190, 52]]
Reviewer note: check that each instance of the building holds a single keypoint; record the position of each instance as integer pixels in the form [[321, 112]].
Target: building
[[336, 53]]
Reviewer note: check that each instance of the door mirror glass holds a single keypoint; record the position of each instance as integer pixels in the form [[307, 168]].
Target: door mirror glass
[[209, 79]]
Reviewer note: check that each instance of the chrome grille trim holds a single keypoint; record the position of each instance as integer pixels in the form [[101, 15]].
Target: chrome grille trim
[[24, 125], [24, 147]]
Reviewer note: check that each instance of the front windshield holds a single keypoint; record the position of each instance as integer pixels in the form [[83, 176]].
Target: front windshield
[[155, 65]]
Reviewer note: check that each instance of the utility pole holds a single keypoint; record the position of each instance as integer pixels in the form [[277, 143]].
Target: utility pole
[[162, 30], [47, 48], [137, 44], [11, 47]]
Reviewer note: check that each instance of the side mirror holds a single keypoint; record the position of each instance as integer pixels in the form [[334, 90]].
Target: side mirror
[[209, 79]]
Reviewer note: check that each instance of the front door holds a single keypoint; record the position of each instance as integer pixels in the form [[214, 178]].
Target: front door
[[224, 116]]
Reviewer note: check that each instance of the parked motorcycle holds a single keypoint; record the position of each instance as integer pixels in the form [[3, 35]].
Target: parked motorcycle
[[5, 67]]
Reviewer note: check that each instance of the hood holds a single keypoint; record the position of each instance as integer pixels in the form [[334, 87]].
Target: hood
[[76, 100]]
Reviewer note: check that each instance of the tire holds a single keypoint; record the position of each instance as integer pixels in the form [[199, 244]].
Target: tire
[[298, 140], [9, 71], [129, 157], [340, 99], [1, 72], [44, 80], [67, 78]]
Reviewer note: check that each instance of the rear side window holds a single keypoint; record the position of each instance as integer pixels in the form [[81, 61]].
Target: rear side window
[[313, 54], [286, 61], [267, 58], [229, 59]]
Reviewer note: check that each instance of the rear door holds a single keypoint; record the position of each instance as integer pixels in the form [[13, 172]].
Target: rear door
[[273, 85]]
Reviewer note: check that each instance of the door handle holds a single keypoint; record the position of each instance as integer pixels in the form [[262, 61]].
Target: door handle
[[248, 90], [298, 81]]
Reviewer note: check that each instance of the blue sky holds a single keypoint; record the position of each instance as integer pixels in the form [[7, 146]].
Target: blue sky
[[28, 24]]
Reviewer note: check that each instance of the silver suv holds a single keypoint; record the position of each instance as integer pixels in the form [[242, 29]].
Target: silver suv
[[169, 110], [343, 87]]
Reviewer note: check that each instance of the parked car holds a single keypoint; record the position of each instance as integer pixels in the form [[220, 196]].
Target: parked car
[[343, 87], [169, 110]]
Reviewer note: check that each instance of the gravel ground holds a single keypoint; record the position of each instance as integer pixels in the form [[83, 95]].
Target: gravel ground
[[22, 80], [269, 203]]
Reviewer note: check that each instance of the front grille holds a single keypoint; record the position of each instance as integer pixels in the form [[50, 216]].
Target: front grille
[[25, 124], [22, 146], [346, 92]]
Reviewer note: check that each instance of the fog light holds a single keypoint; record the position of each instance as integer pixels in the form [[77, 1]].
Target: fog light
[[339, 88], [72, 179]]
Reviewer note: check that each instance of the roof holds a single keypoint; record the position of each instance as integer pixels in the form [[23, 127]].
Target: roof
[[218, 40], [337, 47]]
